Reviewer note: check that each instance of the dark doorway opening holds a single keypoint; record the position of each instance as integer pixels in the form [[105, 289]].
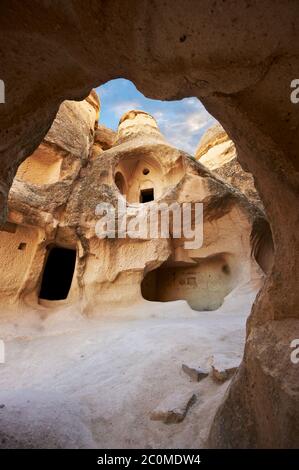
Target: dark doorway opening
[[147, 195], [58, 273]]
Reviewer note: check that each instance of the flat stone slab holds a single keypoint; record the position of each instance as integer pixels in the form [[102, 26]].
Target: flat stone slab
[[223, 367], [174, 408], [195, 373]]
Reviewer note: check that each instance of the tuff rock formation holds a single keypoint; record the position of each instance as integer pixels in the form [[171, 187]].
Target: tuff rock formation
[[217, 152], [55, 223], [103, 139], [235, 57]]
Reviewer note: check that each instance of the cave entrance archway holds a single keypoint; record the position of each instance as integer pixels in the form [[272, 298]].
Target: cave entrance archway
[[236, 67], [58, 273], [203, 285]]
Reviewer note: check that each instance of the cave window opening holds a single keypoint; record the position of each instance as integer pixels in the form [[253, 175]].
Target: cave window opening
[[58, 273], [22, 246], [146, 195]]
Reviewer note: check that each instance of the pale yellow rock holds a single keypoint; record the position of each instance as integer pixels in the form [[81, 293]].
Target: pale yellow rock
[[54, 209], [217, 152]]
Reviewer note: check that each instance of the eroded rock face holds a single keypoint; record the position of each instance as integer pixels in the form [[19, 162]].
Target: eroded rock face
[[39, 195], [217, 152], [103, 139], [119, 268], [268, 379], [235, 57], [215, 135]]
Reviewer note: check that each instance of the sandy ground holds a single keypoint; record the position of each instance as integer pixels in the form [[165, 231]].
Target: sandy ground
[[72, 382]]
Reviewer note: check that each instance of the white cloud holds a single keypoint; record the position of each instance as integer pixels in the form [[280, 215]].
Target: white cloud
[[123, 106], [182, 122], [185, 128], [195, 121]]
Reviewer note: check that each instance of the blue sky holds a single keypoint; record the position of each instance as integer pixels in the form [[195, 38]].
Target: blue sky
[[182, 122]]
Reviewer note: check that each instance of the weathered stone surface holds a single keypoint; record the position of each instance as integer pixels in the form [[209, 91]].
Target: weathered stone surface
[[59, 207], [218, 153], [215, 135], [263, 392], [195, 373], [73, 128], [67, 145], [223, 367], [103, 139], [235, 57], [174, 408]]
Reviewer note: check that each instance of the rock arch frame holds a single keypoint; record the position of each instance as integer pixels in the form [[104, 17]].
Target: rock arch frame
[[233, 55]]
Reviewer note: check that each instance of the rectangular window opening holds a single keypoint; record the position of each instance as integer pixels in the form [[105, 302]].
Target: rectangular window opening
[[146, 195]]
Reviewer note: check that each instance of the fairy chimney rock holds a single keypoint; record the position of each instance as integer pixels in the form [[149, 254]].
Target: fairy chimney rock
[[138, 124], [218, 153]]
